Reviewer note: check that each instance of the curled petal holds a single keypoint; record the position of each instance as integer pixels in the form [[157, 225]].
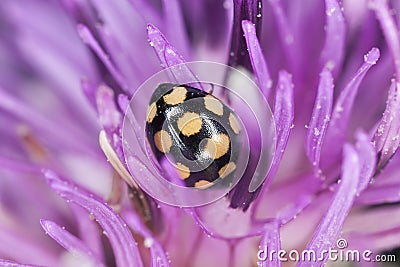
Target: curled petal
[[331, 224], [270, 241], [337, 129], [386, 137], [320, 118], [124, 246], [70, 242], [332, 53], [257, 59]]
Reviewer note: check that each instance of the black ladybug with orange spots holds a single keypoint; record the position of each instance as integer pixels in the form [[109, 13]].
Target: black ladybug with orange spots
[[196, 129]]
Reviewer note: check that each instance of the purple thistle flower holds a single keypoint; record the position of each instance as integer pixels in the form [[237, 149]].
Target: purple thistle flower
[[70, 69]]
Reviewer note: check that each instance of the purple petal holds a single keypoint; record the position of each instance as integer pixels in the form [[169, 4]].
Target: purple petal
[[18, 244], [283, 116], [41, 123], [88, 231], [270, 241], [44, 46], [109, 115], [123, 37], [176, 26], [384, 240], [285, 32], [386, 138], [258, 62], [332, 53], [6, 263], [320, 118], [367, 157], [337, 129], [70, 242], [18, 166], [147, 11], [367, 221], [123, 102], [250, 10], [390, 30], [158, 256], [377, 195], [168, 55], [160, 44], [89, 89], [289, 213], [124, 246], [90, 40], [330, 226]]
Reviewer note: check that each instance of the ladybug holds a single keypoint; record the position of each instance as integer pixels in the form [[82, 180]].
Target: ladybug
[[196, 131]]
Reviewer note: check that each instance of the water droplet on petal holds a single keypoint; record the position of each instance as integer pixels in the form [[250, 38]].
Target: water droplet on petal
[[148, 242]]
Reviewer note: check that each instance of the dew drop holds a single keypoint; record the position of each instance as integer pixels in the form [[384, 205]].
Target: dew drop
[[148, 242], [289, 39], [227, 4], [330, 11], [339, 108]]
